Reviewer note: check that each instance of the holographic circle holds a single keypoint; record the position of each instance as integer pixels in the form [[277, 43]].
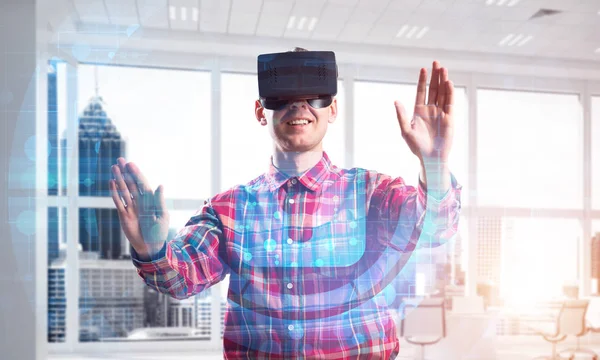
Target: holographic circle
[[319, 262], [296, 332], [52, 180], [330, 245], [88, 182], [247, 256], [26, 222], [353, 241], [270, 245], [29, 148]]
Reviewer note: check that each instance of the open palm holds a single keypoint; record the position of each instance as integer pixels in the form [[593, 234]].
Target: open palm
[[429, 133], [142, 213]]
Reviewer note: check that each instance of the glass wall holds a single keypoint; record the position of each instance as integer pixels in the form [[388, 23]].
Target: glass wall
[[539, 257], [529, 149]]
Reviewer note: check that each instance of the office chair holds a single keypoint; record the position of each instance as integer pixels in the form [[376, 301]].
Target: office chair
[[423, 322], [570, 321]]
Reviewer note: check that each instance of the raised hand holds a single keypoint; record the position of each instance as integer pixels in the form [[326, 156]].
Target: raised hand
[[142, 213], [429, 133]]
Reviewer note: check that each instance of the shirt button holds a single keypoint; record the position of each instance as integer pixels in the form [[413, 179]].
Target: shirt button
[[290, 327], [291, 201], [289, 285], [290, 241], [294, 181]]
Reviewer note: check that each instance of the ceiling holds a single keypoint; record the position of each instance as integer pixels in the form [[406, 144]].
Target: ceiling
[[486, 26]]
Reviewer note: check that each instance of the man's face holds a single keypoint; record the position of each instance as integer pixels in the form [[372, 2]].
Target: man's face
[[288, 126]]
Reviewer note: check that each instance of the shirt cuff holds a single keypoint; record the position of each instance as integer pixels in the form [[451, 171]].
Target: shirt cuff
[[156, 262], [454, 186]]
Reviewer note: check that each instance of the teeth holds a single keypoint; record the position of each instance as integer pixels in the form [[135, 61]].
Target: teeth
[[297, 122]]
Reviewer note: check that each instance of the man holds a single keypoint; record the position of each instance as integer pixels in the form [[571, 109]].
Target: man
[[310, 248]]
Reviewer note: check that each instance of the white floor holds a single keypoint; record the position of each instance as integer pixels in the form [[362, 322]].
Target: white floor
[[507, 349]]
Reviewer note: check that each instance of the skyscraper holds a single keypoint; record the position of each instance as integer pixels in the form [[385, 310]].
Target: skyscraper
[[52, 129], [100, 144]]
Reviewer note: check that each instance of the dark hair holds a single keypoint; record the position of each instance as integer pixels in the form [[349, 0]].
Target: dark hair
[[298, 49]]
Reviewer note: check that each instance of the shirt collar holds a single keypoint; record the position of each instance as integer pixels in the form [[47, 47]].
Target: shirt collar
[[311, 178]]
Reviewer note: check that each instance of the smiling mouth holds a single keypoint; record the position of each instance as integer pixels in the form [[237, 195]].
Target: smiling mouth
[[299, 122]]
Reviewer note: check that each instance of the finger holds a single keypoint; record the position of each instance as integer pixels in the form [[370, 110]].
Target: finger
[[443, 88], [131, 187], [159, 200], [434, 84], [134, 193], [449, 105], [115, 196], [421, 87], [402, 117], [120, 185], [139, 178]]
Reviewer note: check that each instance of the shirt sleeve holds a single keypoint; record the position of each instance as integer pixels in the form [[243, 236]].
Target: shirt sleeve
[[191, 262], [407, 218]]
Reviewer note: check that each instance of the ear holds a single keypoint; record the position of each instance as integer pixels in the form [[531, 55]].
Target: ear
[[333, 111], [259, 111]]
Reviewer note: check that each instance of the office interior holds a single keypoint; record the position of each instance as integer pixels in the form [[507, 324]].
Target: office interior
[[171, 85]]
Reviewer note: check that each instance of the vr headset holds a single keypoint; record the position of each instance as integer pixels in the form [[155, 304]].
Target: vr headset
[[311, 75]]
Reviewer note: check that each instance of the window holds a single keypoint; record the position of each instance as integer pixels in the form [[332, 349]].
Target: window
[[378, 141], [247, 146], [162, 121], [529, 149], [164, 118], [527, 259], [114, 302], [595, 152]]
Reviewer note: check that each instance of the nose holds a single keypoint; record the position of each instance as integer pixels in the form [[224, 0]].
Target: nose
[[297, 103]]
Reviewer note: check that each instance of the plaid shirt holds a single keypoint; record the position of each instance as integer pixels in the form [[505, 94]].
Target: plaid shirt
[[309, 258]]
